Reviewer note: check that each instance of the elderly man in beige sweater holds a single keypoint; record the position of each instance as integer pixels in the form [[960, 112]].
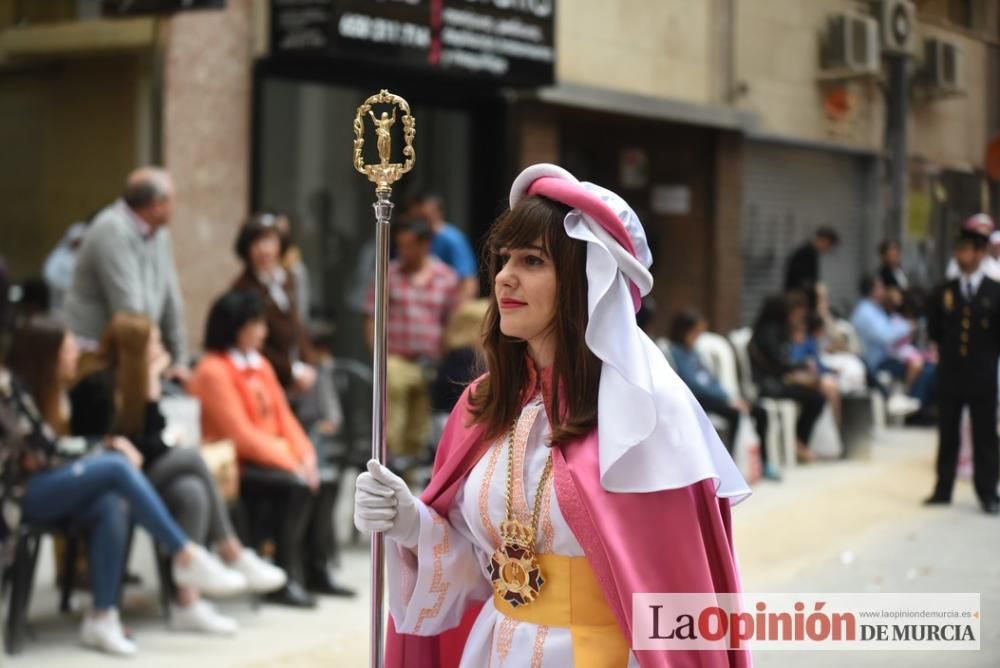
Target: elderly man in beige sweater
[[126, 264]]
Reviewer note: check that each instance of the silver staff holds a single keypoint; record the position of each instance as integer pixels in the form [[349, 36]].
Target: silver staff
[[383, 175]]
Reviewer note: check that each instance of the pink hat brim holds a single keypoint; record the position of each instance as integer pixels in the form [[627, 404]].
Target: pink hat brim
[[574, 195]]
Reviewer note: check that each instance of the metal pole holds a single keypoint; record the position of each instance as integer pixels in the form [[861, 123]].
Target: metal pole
[[383, 175], [383, 211]]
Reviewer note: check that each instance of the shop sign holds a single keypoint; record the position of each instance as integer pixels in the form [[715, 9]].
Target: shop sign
[[671, 199], [507, 41]]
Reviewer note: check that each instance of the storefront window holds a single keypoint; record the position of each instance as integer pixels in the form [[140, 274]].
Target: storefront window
[[303, 167]]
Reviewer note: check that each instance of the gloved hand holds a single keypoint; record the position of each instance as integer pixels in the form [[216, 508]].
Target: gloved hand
[[384, 502]]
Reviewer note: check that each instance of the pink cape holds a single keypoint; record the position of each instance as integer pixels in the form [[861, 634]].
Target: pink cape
[[693, 552]]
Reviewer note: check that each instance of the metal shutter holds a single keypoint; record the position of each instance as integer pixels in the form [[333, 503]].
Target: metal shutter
[[789, 192]]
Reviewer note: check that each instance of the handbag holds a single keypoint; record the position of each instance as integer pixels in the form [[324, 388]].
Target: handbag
[[746, 450], [825, 441], [220, 458]]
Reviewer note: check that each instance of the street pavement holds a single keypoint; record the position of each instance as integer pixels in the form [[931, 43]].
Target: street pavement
[[851, 526]]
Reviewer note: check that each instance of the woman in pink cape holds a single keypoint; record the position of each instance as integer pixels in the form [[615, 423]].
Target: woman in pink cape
[[576, 472]]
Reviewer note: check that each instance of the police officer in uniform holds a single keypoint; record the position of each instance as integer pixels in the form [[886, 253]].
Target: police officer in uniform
[[964, 321]]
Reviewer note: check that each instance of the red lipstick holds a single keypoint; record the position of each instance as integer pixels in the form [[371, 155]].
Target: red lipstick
[[511, 303]]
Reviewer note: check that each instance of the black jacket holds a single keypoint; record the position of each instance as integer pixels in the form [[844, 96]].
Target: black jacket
[[888, 277], [968, 337], [770, 357], [802, 268], [93, 414]]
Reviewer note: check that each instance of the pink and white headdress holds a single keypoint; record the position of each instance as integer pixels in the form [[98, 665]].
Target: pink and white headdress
[[981, 222], [652, 433]]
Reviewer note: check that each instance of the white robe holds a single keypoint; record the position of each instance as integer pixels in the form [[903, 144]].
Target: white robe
[[429, 591]]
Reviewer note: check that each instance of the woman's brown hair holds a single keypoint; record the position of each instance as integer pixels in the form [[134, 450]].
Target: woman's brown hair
[[576, 371], [34, 360], [125, 351]]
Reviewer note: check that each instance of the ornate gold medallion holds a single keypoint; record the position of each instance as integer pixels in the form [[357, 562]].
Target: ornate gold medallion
[[515, 572]]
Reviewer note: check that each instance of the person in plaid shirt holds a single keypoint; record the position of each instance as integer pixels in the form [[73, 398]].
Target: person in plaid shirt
[[423, 293]]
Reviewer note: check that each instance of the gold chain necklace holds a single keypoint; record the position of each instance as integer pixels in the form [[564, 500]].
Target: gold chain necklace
[[514, 568]]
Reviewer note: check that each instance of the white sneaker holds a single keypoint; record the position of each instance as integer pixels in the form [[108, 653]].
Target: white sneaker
[[262, 576], [900, 405], [201, 617], [208, 575], [105, 633]]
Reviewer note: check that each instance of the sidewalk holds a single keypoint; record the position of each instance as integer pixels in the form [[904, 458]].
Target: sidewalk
[[860, 527], [844, 527]]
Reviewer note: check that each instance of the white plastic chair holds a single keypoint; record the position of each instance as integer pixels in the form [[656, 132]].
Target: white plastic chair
[[781, 413], [716, 353]]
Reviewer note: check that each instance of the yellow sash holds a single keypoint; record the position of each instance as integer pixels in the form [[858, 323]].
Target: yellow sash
[[572, 598]]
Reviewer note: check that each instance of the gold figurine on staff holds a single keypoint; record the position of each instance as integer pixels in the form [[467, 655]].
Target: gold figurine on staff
[[383, 175]]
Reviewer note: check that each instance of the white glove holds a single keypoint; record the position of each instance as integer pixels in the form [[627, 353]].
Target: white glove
[[384, 502]]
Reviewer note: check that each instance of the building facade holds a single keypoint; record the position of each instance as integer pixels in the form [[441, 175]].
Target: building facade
[[734, 128]]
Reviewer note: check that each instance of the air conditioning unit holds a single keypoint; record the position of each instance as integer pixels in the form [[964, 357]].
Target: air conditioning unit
[[850, 46], [943, 70], [898, 26]]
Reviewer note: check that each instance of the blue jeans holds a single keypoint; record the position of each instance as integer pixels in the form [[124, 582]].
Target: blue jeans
[[93, 491]]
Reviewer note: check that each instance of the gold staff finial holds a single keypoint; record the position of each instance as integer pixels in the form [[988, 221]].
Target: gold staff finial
[[385, 173]]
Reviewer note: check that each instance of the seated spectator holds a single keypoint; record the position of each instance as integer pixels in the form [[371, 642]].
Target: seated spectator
[[886, 342], [287, 347], [837, 347], [807, 332], [120, 394], [77, 481], [685, 329], [777, 375], [835, 340], [280, 479]]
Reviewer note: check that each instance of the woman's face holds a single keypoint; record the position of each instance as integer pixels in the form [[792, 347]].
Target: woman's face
[[525, 291], [699, 328], [69, 355], [265, 252], [252, 336]]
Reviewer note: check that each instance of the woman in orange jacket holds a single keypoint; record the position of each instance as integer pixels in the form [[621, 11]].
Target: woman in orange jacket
[[281, 487]]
